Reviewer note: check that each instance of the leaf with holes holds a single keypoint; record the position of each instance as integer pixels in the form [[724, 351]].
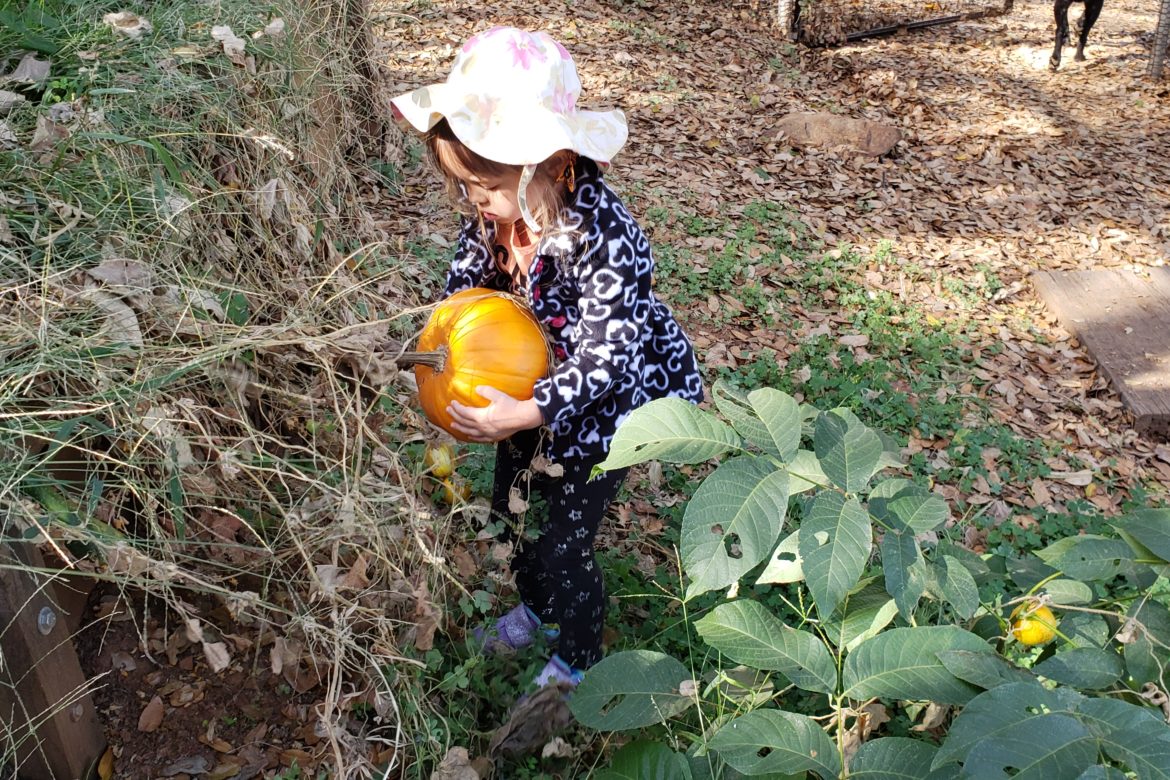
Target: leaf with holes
[[646, 760], [992, 716], [1058, 746], [630, 690], [785, 565], [903, 663], [835, 542], [892, 758], [1088, 556], [747, 633], [902, 564], [849, 452], [1083, 667], [672, 430], [1132, 735], [776, 741], [742, 502]]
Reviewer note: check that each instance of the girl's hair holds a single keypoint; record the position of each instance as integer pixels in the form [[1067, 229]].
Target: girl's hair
[[449, 154]]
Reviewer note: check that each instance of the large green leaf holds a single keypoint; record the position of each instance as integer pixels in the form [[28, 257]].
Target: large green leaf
[[1083, 667], [835, 542], [1088, 556], [1100, 772], [767, 418], [848, 451], [1069, 591], [748, 633], [732, 403], [958, 587], [914, 509], [901, 563], [888, 488], [1151, 527], [776, 741], [1143, 556], [805, 472], [1057, 746], [995, 714], [863, 614], [1145, 658], [672, 430], [781, 415], [785, 565], [903, 663], [1131, 735], [1084, 629], [892, 758], [646, 760], [746, 497], [987, 670], [629, 690]]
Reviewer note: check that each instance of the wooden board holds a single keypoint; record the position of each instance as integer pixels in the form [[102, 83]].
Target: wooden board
[[1123, 319], [43, 704]]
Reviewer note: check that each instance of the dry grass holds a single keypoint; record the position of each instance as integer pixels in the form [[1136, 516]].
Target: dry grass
[[198, 321]]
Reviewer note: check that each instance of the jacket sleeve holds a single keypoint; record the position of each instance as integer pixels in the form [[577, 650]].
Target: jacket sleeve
[[472, 265], [614, 277]]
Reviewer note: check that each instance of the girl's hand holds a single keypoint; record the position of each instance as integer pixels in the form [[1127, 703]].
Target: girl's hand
[[501, 418]]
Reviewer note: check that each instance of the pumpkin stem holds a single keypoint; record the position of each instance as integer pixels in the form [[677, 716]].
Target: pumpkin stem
[[436, 360]]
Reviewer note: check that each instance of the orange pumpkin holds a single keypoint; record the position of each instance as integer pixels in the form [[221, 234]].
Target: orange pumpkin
[[477, 337]]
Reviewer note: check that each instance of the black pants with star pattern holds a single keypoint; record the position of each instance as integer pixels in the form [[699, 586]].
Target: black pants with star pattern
[[556, 572]]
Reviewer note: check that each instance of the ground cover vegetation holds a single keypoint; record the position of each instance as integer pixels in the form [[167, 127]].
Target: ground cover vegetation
[[210, 256]]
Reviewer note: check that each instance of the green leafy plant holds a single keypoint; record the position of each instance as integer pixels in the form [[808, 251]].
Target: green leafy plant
[[883, 612]]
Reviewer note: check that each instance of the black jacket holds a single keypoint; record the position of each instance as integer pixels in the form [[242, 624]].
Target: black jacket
[[617, 346]]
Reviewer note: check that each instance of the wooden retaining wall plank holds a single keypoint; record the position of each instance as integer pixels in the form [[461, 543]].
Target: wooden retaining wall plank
[[43, 704], [1123, 319]]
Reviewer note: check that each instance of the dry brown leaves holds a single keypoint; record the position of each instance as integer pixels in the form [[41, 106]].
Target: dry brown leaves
[[1004, 168]]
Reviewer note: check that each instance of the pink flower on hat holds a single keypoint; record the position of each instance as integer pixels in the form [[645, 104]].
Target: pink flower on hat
[[563, 102], [525, 50], [512, 96]]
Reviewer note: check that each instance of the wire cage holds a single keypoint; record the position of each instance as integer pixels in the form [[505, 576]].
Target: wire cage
[[828, 22]]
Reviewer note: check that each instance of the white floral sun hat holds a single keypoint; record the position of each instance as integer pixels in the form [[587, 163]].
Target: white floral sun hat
[[511, 97]]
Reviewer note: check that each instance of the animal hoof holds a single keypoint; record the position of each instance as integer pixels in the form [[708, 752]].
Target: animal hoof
[[1053, 65], [1079, 58]]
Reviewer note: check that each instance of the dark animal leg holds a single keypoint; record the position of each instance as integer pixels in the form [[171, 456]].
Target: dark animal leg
[[1092, 11], [1060, 9]]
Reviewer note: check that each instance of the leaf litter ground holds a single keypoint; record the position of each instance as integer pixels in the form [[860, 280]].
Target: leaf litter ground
[[1005, 168]]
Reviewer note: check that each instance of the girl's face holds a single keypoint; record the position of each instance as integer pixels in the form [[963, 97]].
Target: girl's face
[[494, 196]]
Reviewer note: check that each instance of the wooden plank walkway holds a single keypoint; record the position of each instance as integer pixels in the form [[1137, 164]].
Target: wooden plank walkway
[[1123, 319]]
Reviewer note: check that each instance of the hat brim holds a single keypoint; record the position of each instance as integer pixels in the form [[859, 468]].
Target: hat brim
[[515, 137]]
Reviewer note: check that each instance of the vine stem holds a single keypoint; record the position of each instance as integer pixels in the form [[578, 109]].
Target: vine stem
[[435, 359]]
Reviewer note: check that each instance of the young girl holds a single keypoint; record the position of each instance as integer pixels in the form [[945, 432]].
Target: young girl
[[525, 164]]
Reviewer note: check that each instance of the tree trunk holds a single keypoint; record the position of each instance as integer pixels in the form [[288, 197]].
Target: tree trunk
[[1161, 41]]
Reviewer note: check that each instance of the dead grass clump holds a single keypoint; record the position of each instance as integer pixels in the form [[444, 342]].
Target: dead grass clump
[[198, 320]]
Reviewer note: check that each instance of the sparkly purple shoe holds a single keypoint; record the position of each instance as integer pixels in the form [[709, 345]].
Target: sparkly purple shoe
[[513, 631], [557, 670]]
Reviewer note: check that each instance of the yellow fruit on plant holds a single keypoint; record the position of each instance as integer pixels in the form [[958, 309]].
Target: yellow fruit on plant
[[440, 460], [454, 490], [1033, 624]]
